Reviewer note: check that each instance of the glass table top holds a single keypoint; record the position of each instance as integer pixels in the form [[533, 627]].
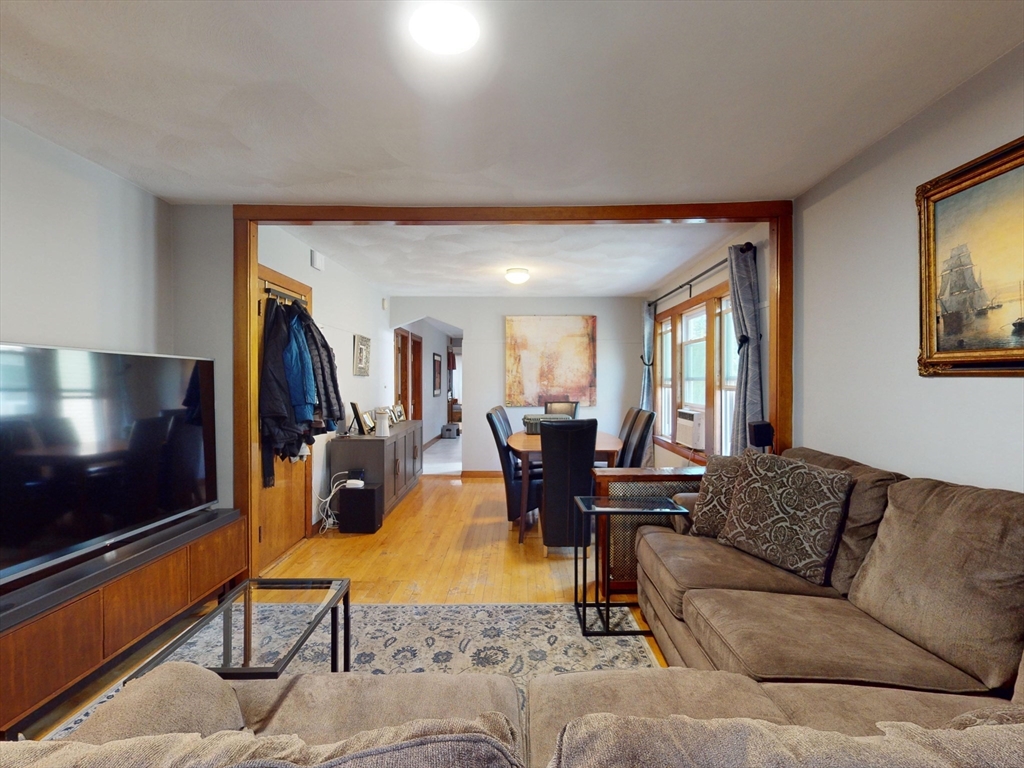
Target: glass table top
[[636, 505]]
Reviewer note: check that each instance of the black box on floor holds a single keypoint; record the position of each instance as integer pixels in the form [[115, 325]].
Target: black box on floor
[[359, 510]]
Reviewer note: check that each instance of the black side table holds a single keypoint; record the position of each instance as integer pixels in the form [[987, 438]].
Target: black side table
[[603, 506], [360, 510]]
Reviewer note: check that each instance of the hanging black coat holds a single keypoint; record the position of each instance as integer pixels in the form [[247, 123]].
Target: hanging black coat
[[325, 370], [279, 434]]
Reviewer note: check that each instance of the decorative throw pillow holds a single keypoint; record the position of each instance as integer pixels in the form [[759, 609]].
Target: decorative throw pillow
[[788, 513], [715, 497], [1004, 714]]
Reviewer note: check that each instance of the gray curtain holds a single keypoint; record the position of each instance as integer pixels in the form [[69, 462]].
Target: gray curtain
[[647, 383], [743, 289]]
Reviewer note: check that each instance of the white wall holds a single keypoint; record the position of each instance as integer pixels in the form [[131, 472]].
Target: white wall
[[85, 256], [343, 305], [203, 315], [435, 409], [857, 391], [619, 348]]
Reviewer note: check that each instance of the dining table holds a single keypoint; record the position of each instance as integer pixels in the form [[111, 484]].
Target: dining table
[[527, 448]]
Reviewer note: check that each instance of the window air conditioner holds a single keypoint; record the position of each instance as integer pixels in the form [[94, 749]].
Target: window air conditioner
[[690, 428]]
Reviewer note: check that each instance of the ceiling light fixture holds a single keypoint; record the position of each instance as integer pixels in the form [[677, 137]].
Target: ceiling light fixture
[[444, 28], [517, 275]]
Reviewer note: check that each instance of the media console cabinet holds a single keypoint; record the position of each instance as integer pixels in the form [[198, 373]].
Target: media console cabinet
[[57, 631], [394, 461]]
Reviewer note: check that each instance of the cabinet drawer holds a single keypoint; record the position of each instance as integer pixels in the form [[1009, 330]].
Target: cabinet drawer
[[135, 604], [44, 656], [216, 558]]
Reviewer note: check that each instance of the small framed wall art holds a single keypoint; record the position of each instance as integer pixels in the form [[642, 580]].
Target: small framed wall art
[[972, 267], [360, 356], [437, 375]]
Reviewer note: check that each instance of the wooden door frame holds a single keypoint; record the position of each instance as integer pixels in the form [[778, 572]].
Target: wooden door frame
[[416, 375], [777, 213], [402, 367]]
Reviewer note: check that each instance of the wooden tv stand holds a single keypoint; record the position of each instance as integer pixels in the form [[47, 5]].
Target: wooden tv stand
[[55, 632]]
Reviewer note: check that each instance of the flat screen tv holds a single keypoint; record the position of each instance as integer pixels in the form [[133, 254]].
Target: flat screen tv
[[97, 448]]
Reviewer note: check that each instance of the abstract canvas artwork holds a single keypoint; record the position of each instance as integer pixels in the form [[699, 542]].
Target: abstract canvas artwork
[[550, 357]]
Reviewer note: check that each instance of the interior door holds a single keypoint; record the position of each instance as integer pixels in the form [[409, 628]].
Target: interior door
[[416, 376], [402, 359], [281, 512]]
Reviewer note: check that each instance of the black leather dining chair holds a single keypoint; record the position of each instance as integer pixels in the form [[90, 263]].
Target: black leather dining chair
[[569, 408], [633, 449], [567, 453], [627, 423], [511, 472]]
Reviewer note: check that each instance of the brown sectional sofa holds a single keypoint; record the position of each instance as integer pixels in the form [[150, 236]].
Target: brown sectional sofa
[[922, 621]]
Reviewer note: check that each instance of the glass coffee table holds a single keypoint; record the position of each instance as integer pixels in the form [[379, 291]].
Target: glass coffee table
[[591, 508], [259, 627]]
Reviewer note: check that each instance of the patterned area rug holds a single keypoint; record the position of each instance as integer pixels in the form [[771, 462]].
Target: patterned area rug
[[519, 640]]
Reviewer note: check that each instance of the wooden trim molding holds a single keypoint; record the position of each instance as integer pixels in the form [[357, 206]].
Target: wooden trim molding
[[777, 213], [565, 214]]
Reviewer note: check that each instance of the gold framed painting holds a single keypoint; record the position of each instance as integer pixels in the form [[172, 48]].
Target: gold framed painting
[[972, 267]]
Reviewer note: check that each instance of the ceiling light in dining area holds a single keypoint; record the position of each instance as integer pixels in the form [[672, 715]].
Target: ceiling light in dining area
[[444, 28], [517, 275]]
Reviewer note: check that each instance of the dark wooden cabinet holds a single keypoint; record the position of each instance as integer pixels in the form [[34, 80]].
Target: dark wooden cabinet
[[395, 461], [45, 655]]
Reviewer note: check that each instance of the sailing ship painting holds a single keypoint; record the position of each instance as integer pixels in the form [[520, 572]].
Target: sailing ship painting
[[962, 297], [972, 267], [979, 265]]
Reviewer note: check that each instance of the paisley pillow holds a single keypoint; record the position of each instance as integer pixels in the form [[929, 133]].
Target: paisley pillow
[[788, 513]]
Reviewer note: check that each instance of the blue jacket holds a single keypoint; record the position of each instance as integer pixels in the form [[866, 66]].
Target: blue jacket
[[298, 370]]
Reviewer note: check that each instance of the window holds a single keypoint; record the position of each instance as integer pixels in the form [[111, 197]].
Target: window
[[694, 359], [729, 366], [664, 395], [701, 374]]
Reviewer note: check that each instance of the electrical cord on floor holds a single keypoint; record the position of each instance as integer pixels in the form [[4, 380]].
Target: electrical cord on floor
[[323, 506]]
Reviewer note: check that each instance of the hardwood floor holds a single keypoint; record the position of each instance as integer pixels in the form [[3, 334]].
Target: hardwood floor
[[447, 541]]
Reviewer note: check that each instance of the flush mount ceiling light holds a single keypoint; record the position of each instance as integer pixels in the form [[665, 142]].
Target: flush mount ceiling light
[[444, 28], [517, 275]]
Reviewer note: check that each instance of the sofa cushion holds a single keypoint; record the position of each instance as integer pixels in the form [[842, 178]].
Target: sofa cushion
[[323, 708], [864, 510], [947, 572], [715, 497], [557, 699], [856, 709], [788, 513], [683, 742], [675, 564], [799, 638], [1018, 688], [176, 697], [489, 741]]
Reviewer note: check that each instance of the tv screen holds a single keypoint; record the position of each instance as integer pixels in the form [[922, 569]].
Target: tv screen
[[98, 447]]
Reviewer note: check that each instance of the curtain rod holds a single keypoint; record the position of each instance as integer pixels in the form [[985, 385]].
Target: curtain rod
[[689, 283]]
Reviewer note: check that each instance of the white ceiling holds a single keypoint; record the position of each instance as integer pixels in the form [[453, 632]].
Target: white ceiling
[[560, 103], [470, 260]]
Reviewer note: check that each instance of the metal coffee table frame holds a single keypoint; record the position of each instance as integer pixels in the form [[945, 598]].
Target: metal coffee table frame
[[337, 591], [586, 505]]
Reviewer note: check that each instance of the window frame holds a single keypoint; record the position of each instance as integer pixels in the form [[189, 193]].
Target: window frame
[[711, 300]]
